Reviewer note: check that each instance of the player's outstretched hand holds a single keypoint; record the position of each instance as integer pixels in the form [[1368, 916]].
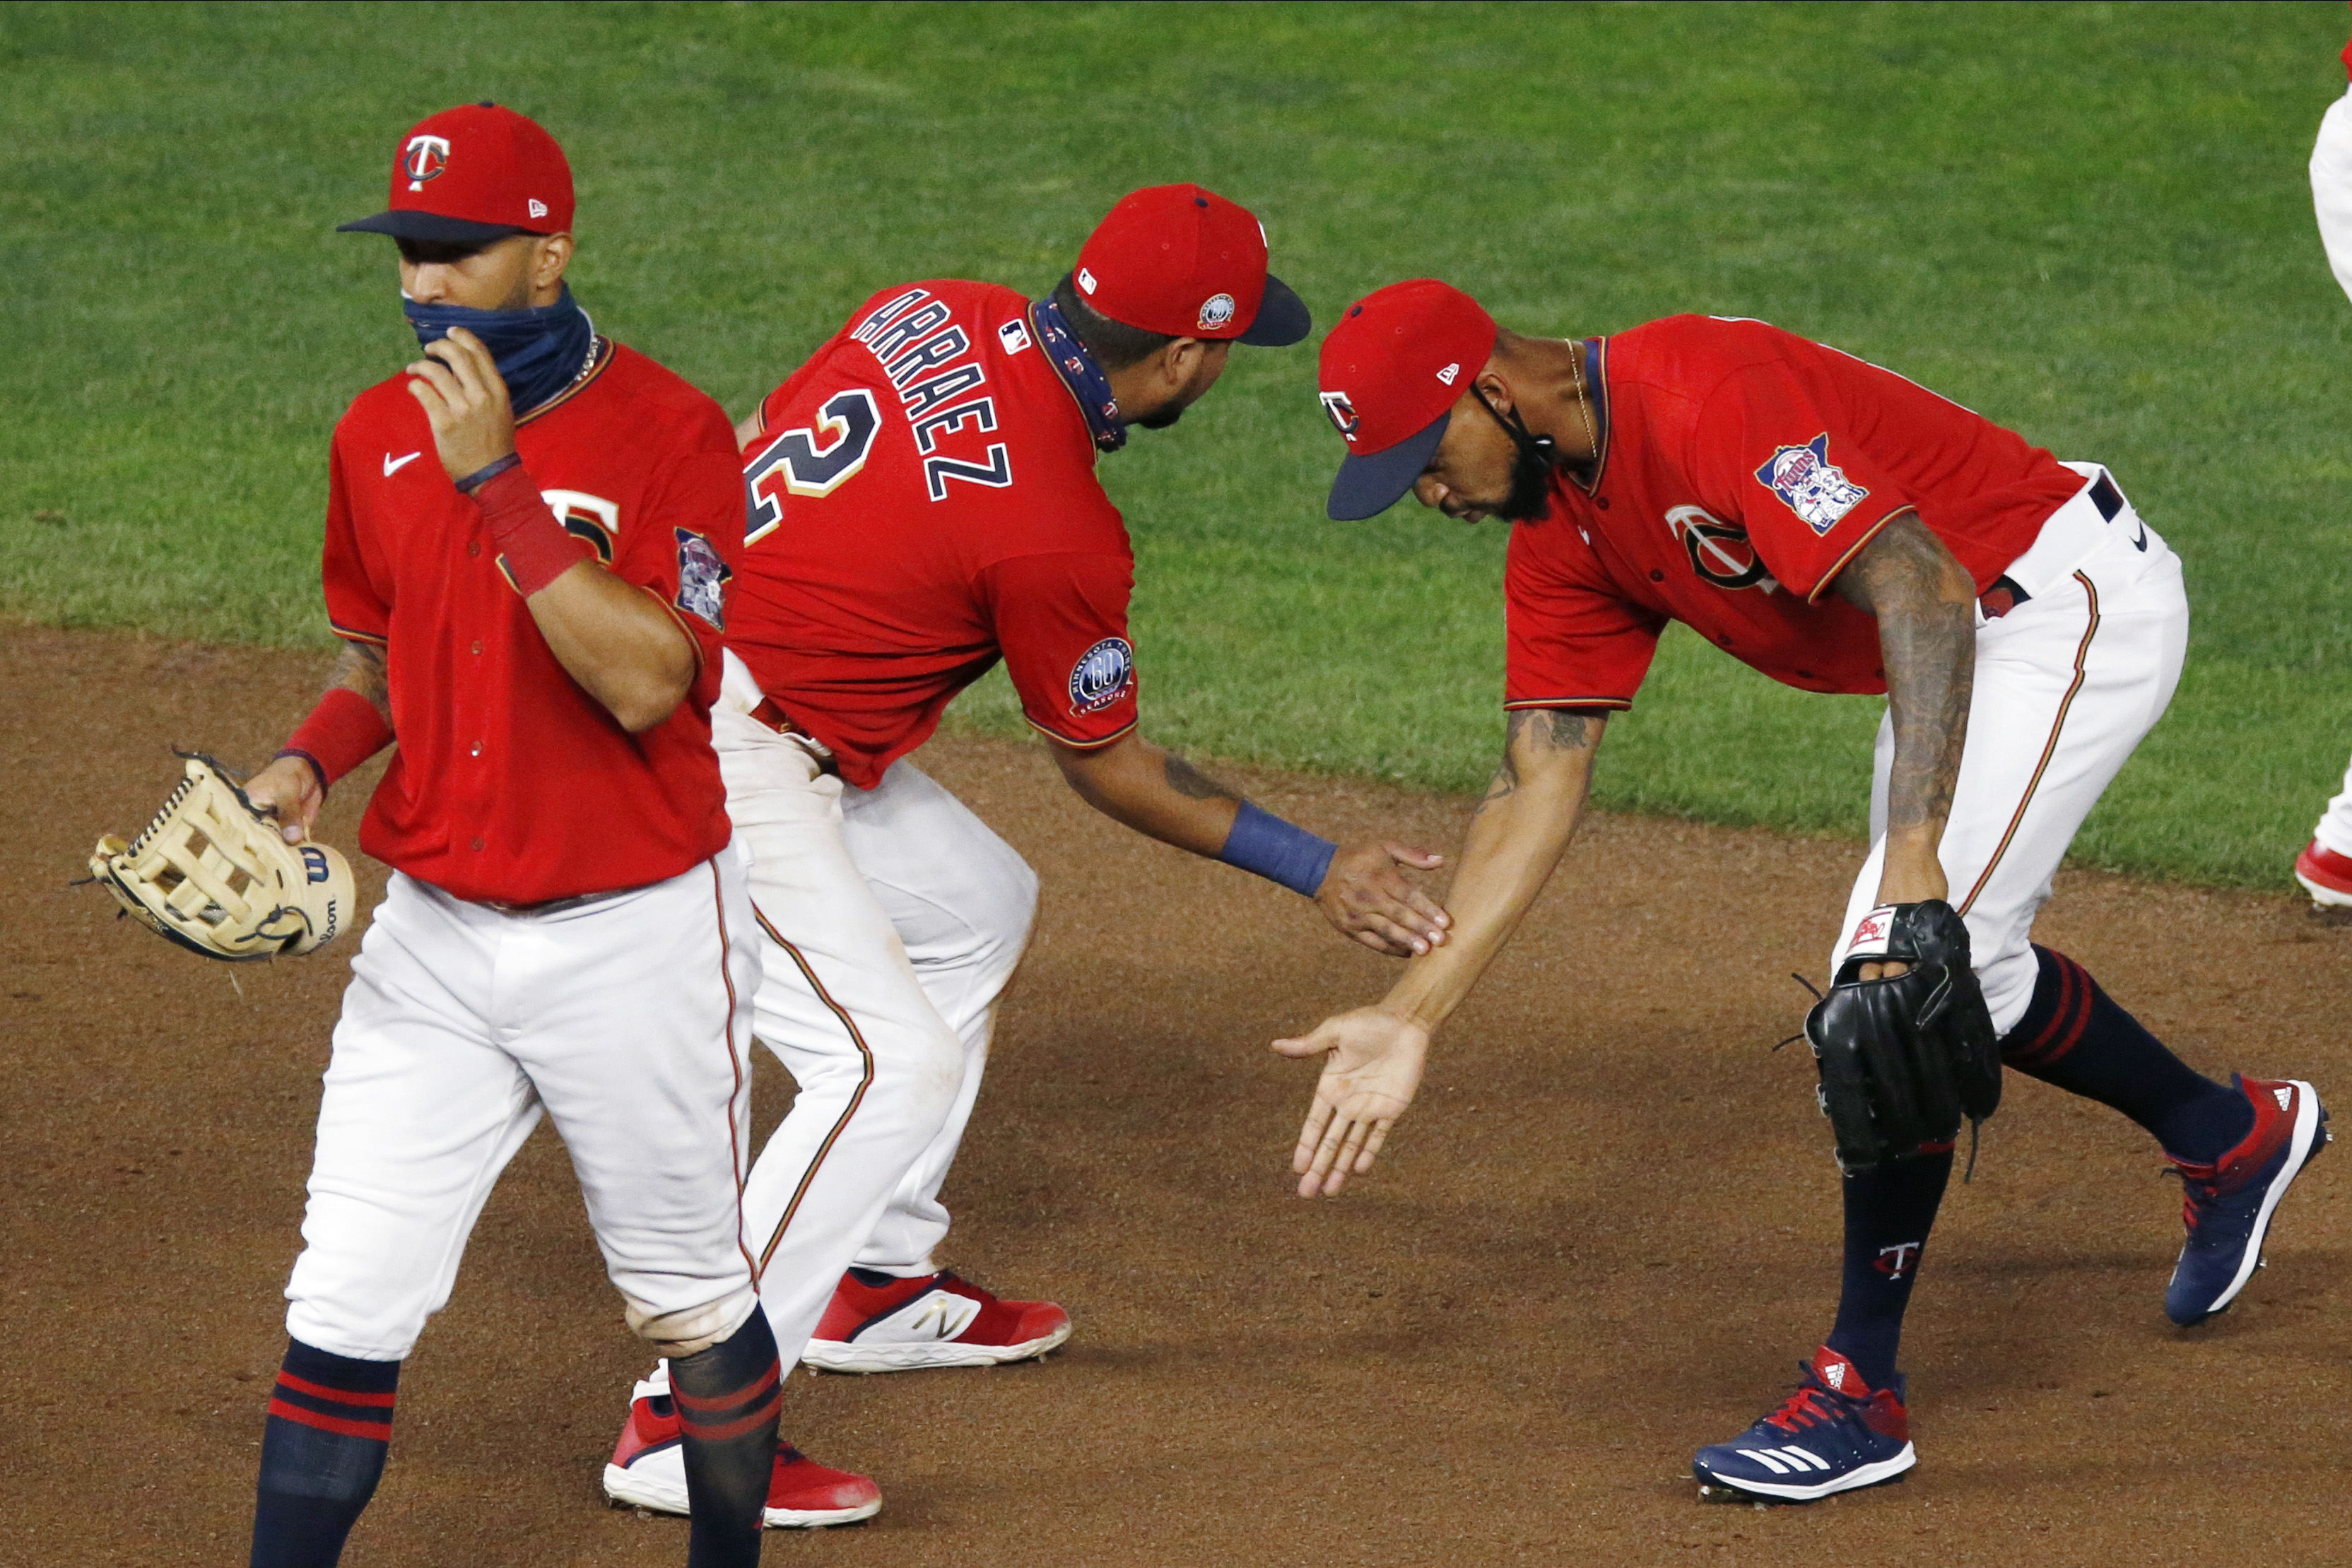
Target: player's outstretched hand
[[289, 791], [1372, 1065], [1365, 895], [466, 398]]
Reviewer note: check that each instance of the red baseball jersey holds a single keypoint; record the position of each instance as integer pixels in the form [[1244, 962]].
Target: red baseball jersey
[[923, 502], [510, 782], [1741, 467]]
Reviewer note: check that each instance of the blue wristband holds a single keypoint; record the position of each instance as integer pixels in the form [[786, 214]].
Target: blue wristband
[[1277, 850]]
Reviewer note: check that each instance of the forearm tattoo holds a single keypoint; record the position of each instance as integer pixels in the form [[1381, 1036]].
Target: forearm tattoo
[[1190, 782], [1540, 729], [360, 666], [1925, 607]]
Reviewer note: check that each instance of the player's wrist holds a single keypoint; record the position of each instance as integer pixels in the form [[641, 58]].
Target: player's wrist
[[1282, 853], [342, 731], [535, 549]]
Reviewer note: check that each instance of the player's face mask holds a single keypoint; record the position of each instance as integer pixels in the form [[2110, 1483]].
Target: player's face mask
[[539, 352], [1533, 458]]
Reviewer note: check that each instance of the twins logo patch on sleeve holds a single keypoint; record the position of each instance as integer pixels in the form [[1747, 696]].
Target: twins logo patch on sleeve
[[1102, 674], [1810, 484], [701, 578]]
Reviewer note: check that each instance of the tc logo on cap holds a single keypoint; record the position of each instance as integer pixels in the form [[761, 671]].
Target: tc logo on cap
[[1216, 310], [424, 159], [1342, 412]]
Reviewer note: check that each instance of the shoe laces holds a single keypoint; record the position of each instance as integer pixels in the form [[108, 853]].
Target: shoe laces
[[1811, 1404], [2196, 1191], [948, 1280]]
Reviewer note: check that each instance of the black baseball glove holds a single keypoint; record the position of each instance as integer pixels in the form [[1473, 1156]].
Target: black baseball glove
[[1903, 1059]]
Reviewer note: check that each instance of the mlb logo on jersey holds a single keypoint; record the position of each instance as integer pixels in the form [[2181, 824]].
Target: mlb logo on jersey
[[1102, 673], [1014, 336], [1810, 484]]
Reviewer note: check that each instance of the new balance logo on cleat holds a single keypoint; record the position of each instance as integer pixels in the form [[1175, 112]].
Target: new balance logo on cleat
[[879, 1322], [1834, 1433]]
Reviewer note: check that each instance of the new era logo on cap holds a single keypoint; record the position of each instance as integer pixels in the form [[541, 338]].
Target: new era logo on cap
[[1184, 261], [1448, 373]]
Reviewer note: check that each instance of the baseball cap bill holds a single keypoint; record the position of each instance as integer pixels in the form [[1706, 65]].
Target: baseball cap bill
[[1184, 261], [1390, 374], [472, 174]]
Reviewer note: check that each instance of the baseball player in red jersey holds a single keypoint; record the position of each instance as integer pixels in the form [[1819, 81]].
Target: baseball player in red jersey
[[1842, 530], [923, 503], [527, 548], [2325, 866]]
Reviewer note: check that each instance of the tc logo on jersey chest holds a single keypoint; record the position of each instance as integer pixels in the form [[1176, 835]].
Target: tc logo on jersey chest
[[1810, 484], [1102, 676], [1719, 552]]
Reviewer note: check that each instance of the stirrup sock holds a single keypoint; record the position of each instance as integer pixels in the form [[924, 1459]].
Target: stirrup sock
[[728, 1398], [321, 1454]]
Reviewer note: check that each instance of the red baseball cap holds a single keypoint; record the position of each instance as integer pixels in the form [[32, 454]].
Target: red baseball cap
[[1390, 375], [1184, 261], [472, 174]]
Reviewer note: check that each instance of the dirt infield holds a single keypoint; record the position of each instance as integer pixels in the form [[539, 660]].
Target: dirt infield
[[1601, 1240]]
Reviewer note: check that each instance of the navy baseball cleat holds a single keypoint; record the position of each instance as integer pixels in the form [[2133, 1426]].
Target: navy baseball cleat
[[1833, 1434], [2229, 1203]]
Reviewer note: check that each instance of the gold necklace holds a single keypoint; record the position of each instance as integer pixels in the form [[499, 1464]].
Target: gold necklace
[[1591, 432]]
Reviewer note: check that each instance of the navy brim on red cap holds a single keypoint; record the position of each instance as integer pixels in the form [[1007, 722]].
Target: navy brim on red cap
[[430, 227], [1371, 483], [1282, 319]]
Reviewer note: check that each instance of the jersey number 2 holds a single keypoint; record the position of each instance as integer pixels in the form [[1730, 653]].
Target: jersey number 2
[[813, 460]]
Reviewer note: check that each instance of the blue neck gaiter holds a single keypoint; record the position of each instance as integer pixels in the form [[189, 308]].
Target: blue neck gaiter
[[1081, 374], [539, 352]]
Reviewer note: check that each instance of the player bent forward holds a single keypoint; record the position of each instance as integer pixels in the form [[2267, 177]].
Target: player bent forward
[[566, 927], [1841, 529], [924, 502]]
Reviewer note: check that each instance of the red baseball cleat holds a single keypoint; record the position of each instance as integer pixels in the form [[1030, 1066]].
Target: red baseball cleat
[[649, 1471], [2325, 875], [880, 1322]]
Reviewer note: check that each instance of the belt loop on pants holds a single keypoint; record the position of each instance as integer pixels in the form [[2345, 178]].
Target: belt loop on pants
[[2105, 496]]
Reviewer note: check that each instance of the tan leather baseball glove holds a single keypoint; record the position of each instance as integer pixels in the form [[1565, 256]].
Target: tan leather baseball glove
[[216, 876]]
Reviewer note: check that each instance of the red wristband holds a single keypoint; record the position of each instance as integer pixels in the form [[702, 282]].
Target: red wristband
[[343, 731], [538, 549]]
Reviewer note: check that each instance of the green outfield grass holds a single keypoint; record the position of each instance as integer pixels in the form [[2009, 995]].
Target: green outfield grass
[[2089, 222]]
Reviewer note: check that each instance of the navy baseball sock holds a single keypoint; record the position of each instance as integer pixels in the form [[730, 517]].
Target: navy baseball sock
[[321, 1454], [1889, 1212], [728, 1402], [2074, 1037]]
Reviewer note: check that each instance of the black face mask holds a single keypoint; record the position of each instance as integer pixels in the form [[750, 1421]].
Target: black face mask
[[1533, 458], [1163, 419]]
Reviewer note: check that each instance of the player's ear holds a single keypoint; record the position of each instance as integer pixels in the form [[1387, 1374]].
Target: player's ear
[[547, 266], [1498, 391]]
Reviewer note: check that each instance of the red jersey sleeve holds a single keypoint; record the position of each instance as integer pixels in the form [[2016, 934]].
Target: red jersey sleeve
[[1061, 620], [1571, 642], [356, 611], [684, 548], [1773, 454]]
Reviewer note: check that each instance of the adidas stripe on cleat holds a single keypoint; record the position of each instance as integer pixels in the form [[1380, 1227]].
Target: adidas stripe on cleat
[[1834, 1433], [2227, 1205], [880, 1322]]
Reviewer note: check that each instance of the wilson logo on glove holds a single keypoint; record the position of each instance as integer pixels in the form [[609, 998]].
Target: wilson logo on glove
[[214, 874]]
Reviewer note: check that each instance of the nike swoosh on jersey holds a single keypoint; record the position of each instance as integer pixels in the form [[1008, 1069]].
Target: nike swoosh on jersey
[[395, 464]]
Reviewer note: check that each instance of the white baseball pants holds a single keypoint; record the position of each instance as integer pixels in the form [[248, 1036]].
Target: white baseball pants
[[2066, 684], [2331, 199], [891, 920], [628, 1020]]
